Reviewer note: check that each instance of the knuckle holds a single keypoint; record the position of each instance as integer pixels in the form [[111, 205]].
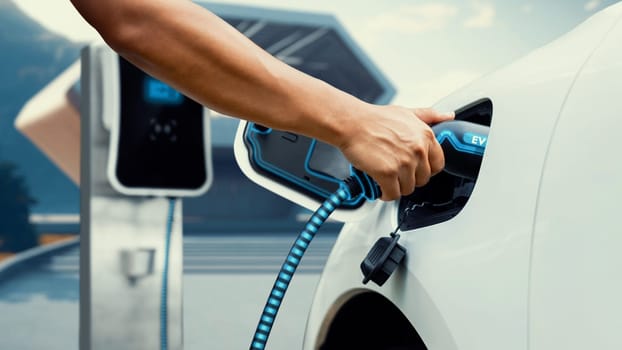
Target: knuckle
[[419, 150], [428, 134], [390, 169], [405, 161], [386, 172]]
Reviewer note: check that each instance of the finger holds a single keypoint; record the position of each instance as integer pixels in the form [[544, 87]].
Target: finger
[[436, 157], [423, 172], [390, 189], [407, 180], [431, 116]]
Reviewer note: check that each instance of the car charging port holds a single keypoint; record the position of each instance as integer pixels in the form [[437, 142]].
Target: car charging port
[[446, 194]]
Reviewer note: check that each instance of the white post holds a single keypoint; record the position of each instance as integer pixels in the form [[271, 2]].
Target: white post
[[122, 246]]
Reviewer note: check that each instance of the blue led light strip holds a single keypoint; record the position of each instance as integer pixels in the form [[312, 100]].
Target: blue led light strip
[[288, 268], [164, 293], [250, 136], [448, 135]]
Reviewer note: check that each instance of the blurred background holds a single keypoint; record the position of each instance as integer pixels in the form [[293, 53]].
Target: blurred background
[[426, 48]]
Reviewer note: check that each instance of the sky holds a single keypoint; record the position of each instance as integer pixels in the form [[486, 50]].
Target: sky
[[427, 48]]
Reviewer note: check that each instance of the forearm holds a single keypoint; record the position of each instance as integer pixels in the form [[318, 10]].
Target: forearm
[[202, 56]]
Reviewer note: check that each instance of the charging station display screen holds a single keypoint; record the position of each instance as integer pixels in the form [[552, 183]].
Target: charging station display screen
[[157, 92], [161, 142]]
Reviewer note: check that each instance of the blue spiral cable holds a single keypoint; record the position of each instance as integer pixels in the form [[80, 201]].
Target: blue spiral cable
[[164, 292], [288, 268]]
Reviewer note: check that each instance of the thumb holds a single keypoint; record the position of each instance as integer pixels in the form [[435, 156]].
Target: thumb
[[431, 117]]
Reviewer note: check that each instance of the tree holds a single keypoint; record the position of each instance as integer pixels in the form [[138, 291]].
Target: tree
[[16, 232]]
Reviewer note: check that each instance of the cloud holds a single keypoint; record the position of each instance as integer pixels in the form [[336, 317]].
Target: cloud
[[592, 5], [484, 16], [414, 19]]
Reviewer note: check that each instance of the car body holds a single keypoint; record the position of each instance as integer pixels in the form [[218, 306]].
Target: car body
[[532, 261]]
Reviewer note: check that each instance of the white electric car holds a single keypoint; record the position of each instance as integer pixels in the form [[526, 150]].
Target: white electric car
[[528, 255]]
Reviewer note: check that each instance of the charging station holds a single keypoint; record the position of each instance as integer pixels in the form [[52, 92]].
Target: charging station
[[143, 145]]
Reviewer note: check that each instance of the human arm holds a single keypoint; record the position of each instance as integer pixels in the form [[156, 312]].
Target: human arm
[[196, 52]]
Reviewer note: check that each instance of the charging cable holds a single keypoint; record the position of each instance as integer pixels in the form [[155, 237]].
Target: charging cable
[[351, 188], [164, 291]]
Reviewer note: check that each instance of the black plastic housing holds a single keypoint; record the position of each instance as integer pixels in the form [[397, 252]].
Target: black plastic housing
[[382, 260], [446, 194]]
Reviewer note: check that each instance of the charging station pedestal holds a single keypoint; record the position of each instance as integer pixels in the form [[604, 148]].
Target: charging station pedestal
[[122, 246]]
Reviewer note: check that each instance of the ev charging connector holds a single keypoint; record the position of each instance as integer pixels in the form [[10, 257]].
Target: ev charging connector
[[463, 145]]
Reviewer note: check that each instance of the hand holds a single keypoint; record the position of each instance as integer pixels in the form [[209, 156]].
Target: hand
[[396, 147]]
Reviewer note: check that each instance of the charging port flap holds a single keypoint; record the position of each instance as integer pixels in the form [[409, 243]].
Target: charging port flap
[[300, 169]]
